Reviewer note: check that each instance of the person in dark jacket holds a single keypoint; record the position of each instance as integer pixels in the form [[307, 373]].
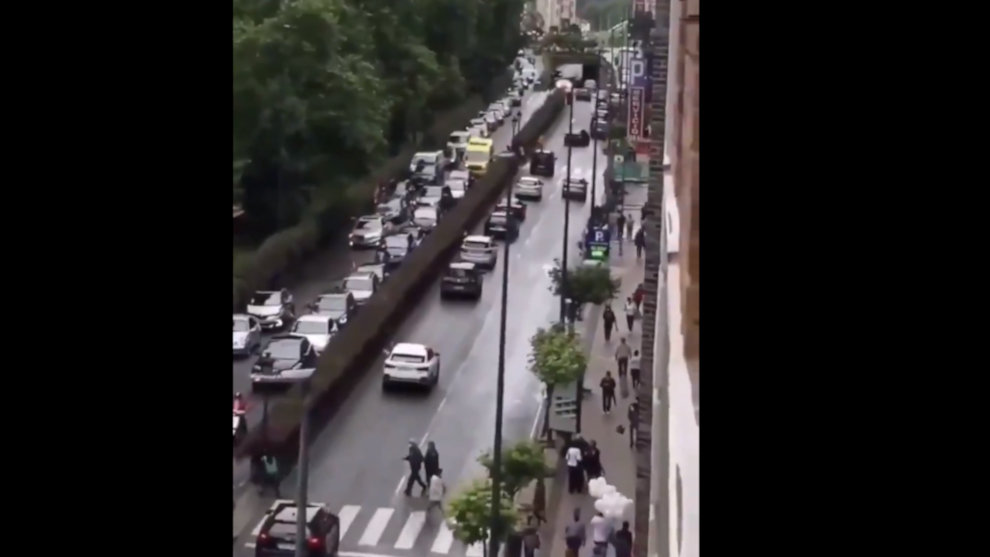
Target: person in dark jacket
[[609, 317], [415, 460], [431, 463], [592, 461], [633, 415], [622, 541], [640, 240], [608, 392]]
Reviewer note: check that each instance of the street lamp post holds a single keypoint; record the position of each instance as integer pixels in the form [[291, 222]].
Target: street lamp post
[[493, 531], [566, 86], [302, 539]]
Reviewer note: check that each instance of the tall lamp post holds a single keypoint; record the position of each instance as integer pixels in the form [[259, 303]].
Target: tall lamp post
[[566, 86], [500, 385], [302, 539]]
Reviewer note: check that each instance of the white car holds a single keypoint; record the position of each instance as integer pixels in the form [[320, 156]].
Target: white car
[[362, 286], [426, 217], [458, 187], [497, 111], [368, 231], [490, 120], [413, 364], [480, 250], [457, 143], [529, 187], [247, 334], [377, 269], [317, 329], [479, 130]]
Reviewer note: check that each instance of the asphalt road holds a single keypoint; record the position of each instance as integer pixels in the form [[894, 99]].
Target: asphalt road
[[356, 461], [321, 272]]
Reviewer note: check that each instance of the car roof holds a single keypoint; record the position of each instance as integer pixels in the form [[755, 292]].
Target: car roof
[[529, 179], [286, 336], [284, 510], [313, 318], [427, 154], [369, 217], [478, 238], [267, 292], [410, 348], [337, 294], [361, 274], [463, 265]]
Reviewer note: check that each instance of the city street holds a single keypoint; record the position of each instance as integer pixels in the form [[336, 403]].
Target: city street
[[357, 466]]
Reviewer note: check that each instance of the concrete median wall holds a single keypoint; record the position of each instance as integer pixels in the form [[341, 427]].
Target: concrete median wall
[[346, 359]]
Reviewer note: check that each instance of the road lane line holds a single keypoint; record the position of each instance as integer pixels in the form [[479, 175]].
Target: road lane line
[[445, 539], [415, 522], [347, 515], [373, 533]]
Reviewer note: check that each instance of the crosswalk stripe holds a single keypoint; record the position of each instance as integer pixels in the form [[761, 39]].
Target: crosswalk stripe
[[407, 538], [476, 550], [445, 538], [376, 527], [347, 515]]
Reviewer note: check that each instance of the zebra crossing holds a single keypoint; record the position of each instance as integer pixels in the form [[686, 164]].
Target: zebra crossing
[[387, 530]]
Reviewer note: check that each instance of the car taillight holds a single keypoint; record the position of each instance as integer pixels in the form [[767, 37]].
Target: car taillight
[[315, 543], [264, 540]]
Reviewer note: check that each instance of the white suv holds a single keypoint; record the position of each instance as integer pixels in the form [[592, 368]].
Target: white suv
[[479, 250], [413, 364]]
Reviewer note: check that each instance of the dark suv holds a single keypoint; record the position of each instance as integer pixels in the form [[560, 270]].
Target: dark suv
[[277, 531], [461, 279], [542, 163]]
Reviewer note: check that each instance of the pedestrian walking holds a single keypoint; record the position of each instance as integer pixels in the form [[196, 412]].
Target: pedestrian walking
[[540, 502], [530, 541], [575, 535], [415, 460], [575, 478], [608, 316], [629, 226], [592, 460], [633, 415], [437, 491], [600, 531], [640, 240], [271, 475], [608, 392], [630, 313], [635, 363], [620, 225], [622, 355], [431, 461], [638, 297], [622, 541]]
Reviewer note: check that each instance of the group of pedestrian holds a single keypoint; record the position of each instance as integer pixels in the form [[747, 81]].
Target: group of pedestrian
[[417, 461], [631, 310], [584, 463], [602, 534]]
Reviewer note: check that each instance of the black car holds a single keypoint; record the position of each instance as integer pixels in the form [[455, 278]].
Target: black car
[[338, 304], [582, 94], [575, 189], [518, 209], [502, 226], [287, 360], [542, 163], [599, 130], [276, 535], [461, 279], [580, 139]]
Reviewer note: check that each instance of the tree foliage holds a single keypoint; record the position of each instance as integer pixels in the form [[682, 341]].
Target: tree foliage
[[521, 464], [469, 514], [323, 89], [557, 357], [584, 284]]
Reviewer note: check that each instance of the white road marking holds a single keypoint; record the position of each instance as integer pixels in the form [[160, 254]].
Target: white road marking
[[476, 550], [347, 515], [445, 538], [376, 527], [415, 522]]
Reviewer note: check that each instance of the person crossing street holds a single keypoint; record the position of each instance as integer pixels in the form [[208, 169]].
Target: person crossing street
[[415, 460]]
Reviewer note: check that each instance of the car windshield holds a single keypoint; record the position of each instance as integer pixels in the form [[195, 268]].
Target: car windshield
[[396, 242], [433, 191], [407, 358], [458, 273], [241, 325], [479, 155], [529, 182], [311, 328], [455, 185], [284, 349], [457, 138], [470, 245], [366, 225], [498, 218], [332, 303], [266, 299], [358, 283]]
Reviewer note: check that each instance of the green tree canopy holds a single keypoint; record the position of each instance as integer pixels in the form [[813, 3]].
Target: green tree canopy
[[584, 284], [521, 464], [557, 357], [469, 514]]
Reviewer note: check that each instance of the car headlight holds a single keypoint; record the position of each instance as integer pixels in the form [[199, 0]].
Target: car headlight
[[342, 320], [278, 322]]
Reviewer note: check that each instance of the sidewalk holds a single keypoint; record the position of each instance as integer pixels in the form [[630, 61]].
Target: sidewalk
[[617, 456]]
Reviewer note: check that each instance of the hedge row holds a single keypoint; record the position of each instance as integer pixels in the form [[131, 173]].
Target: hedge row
[[290, 247], [347, 356]]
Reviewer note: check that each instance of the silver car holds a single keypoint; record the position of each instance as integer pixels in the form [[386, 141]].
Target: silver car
[[426, 217], [368, 231], [529, 187], [480, 250], [247, 334], [362, 286], [457, 187]]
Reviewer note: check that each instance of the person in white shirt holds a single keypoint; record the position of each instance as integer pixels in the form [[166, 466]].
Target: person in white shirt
[[437, 490], [575, 475], [634, 367], [630, 313], [600, 530]]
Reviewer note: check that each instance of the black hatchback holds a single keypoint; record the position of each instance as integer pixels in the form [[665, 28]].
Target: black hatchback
[[542, 163], [461, 279]]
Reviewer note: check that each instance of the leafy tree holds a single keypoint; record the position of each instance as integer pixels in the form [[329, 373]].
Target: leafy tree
[[521, 464], [469, 514], [584, 285], [557, 359]]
